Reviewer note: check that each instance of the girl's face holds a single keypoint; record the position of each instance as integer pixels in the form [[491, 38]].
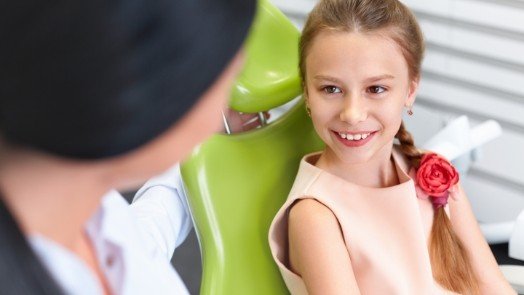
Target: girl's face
[[357, 87]]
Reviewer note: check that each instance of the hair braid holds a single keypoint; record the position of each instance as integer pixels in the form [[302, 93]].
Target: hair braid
[[450, 264], [407, 146]]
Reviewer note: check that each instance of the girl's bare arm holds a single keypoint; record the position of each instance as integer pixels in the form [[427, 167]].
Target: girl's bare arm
[[317, 250]]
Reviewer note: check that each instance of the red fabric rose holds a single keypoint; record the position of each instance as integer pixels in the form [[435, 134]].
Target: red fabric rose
[[436, 177]]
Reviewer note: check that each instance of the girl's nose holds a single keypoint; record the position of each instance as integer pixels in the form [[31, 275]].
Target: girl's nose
[[353, 112]]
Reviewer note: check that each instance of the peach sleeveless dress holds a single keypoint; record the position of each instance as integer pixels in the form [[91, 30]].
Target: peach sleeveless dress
[[386, 230]]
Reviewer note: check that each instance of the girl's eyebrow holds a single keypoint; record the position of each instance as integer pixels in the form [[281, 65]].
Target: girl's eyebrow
[[378, 78], [328, 78], [368, 80]]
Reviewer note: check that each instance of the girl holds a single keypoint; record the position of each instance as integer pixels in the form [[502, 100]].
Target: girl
[[367, 215]]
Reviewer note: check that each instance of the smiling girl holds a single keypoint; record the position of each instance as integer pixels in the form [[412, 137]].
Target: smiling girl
[[371, 213]]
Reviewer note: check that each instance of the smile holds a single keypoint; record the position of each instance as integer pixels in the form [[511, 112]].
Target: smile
[[354, 139], [353, 136]]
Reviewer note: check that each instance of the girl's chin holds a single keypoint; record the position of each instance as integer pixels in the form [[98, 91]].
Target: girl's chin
[[350, 156]]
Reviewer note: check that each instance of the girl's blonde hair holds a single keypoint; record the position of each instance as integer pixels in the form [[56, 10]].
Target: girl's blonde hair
[[450, 263]]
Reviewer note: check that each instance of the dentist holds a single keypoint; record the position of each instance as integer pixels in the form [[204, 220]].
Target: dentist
[[101, 95]]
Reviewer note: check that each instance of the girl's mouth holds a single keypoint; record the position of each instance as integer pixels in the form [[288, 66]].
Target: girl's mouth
[[354, 139]]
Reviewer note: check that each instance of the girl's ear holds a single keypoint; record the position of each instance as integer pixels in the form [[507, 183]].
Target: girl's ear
[[304, 91], [304, 88], [412, 92]]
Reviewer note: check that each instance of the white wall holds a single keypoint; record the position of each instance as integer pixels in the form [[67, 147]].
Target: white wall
[[474, 65]]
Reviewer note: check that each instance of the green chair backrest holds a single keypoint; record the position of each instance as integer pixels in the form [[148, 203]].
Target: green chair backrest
[[235, 186], [236, 183]]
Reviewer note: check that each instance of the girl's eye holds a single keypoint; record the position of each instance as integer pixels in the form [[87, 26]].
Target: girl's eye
[[376, 89], [332, 89]]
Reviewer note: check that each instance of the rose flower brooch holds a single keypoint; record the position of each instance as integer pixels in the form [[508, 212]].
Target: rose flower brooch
[[435, 179]]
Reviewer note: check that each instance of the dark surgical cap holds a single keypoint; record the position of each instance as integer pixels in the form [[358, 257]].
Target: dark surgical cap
[[97, 78]]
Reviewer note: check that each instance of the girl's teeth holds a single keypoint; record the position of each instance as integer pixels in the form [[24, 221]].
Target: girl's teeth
[[354, 137]]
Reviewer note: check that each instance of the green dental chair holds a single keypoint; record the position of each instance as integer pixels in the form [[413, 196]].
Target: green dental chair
[[236, 183]]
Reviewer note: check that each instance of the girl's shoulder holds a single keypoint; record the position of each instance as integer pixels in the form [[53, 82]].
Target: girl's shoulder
[[308, 211]]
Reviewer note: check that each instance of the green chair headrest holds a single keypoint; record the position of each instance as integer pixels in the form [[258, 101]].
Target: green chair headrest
[[270, 77]]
